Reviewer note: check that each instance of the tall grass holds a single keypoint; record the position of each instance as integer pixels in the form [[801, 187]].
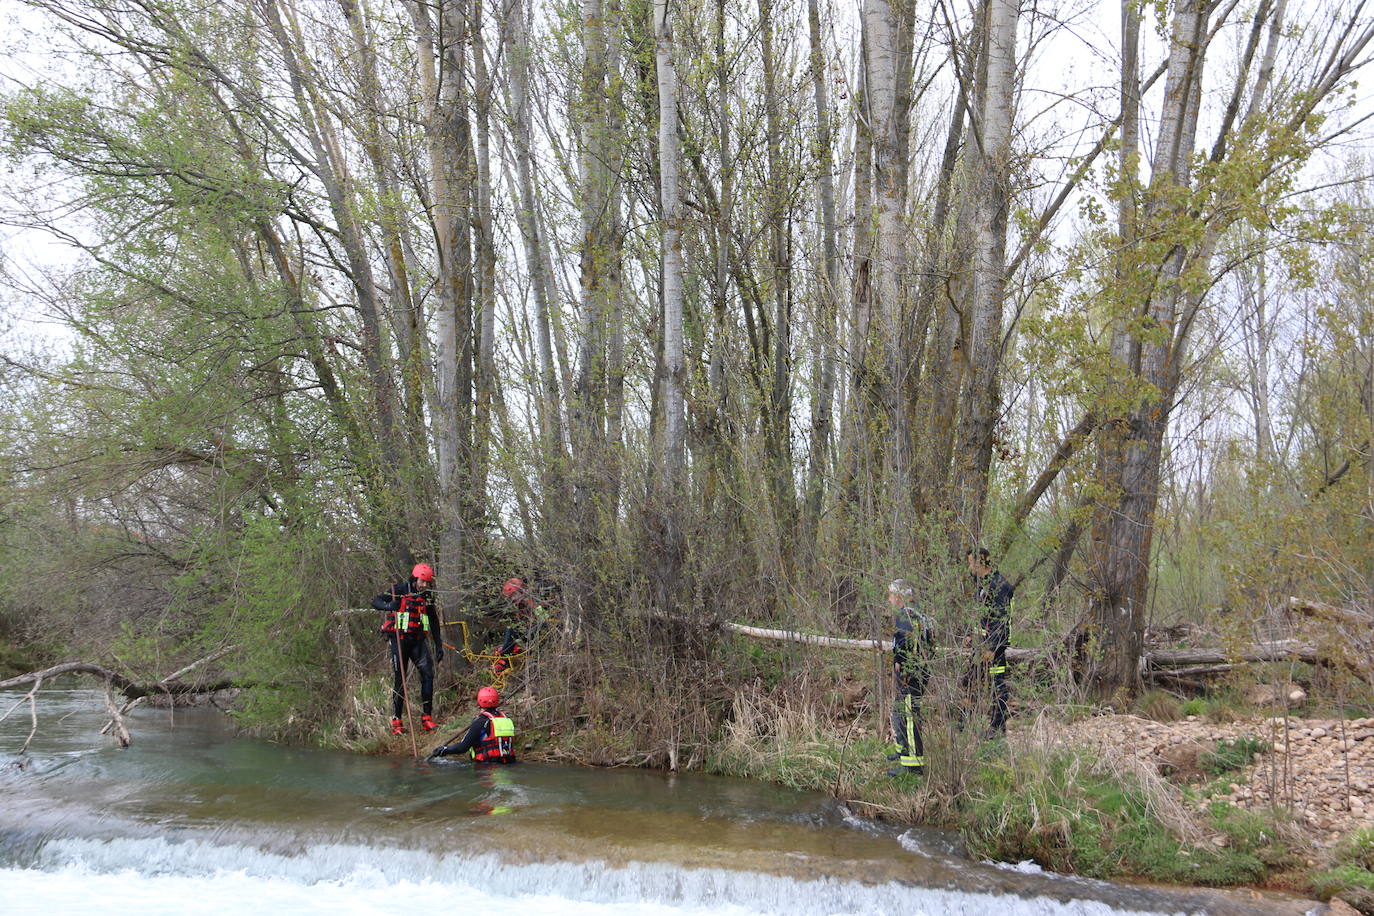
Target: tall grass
[[1104, 814]]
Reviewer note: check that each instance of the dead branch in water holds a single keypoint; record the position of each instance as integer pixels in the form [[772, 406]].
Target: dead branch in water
[[135, 692]]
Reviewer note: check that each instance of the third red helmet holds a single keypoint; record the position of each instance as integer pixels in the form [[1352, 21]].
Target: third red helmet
[[423, 571], [512, 587], [488, 698]]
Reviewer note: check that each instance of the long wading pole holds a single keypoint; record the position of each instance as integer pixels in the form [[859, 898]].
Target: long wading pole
[[405, 697]]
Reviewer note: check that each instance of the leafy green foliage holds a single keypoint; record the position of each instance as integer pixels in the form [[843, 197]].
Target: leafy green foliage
[[1232, 755], [1063, 809], [1350, 872]]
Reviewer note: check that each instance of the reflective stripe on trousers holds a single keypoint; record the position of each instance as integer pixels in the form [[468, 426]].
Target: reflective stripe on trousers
[[909, 759]]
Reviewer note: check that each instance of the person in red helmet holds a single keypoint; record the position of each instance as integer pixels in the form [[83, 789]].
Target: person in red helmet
[[491, 736], [410, 616], [529, 617]]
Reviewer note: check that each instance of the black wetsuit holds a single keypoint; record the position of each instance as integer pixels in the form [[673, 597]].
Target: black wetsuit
[[471, 738], [529, 620], [911, 646], [411, 649], [996, 597]]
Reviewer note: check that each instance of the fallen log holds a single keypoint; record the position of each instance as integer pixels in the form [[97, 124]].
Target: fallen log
[[835, 642], [114, 677], [165, 686], [1156, 662], [1324, 611], [809, 639], [130, 689], [1179, 673], [133, 691], [1277, 651]]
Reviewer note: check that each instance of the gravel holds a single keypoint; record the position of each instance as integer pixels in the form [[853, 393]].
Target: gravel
[[1322, 769]]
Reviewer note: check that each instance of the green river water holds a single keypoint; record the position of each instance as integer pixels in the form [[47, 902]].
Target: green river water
[[193, 818]]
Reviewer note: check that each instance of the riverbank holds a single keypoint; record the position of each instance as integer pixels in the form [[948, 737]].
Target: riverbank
[[1247, 801], [1308, 780], [1133, 837], [194, 810]]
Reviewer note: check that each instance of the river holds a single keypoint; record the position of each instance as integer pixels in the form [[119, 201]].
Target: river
[[193, 818]]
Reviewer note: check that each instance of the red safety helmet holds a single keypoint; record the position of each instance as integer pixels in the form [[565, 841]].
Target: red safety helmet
[[423, 571], [512, 587], [488, 698]]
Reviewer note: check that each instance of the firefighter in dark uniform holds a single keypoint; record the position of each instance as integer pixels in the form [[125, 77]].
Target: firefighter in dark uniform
[[987, 674], [491, 736], [911, 649], [411, 615]]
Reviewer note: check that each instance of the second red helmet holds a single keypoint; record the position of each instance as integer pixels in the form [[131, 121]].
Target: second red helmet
[[423, 571], [512, 586], [488, 698]]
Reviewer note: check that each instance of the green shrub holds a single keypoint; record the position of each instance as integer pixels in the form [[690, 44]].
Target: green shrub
[[1335, 881], [1261, 834], [1232, 755], [1351, 872], [1066, 811], [1194, 707], [1357, 849]]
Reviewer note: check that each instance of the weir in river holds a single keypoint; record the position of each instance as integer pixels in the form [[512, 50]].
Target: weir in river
[[193, 818]]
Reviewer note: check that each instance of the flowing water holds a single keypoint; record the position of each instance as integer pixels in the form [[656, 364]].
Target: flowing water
[[194, 819]]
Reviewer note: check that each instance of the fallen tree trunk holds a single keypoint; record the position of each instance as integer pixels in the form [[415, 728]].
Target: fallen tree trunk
[[1323, 611], [114, 677], [1179, 673], [1278, 651], [129, 688], [135, 692], [1155, 661], [835, 642]]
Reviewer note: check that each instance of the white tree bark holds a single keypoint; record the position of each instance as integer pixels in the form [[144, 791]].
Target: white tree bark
[[670, 202], [983, 344]]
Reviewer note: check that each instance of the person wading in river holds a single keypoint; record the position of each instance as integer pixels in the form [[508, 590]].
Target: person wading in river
[[491, 736], [911, 649], [411, 616]]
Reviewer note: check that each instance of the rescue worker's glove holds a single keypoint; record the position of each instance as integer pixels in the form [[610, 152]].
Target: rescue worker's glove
[[438, 655]]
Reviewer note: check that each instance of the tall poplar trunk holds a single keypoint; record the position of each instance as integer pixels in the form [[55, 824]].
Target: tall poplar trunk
[[777, 423], [484, 231], [331, 168], [1132, 445], [828, 306], [888, 42], [981, 402], [858, 400], [451, 146], [674, 439], [553, 459], [591, 523]]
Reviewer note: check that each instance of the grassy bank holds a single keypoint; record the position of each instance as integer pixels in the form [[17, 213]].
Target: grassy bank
[[1069, 809]]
